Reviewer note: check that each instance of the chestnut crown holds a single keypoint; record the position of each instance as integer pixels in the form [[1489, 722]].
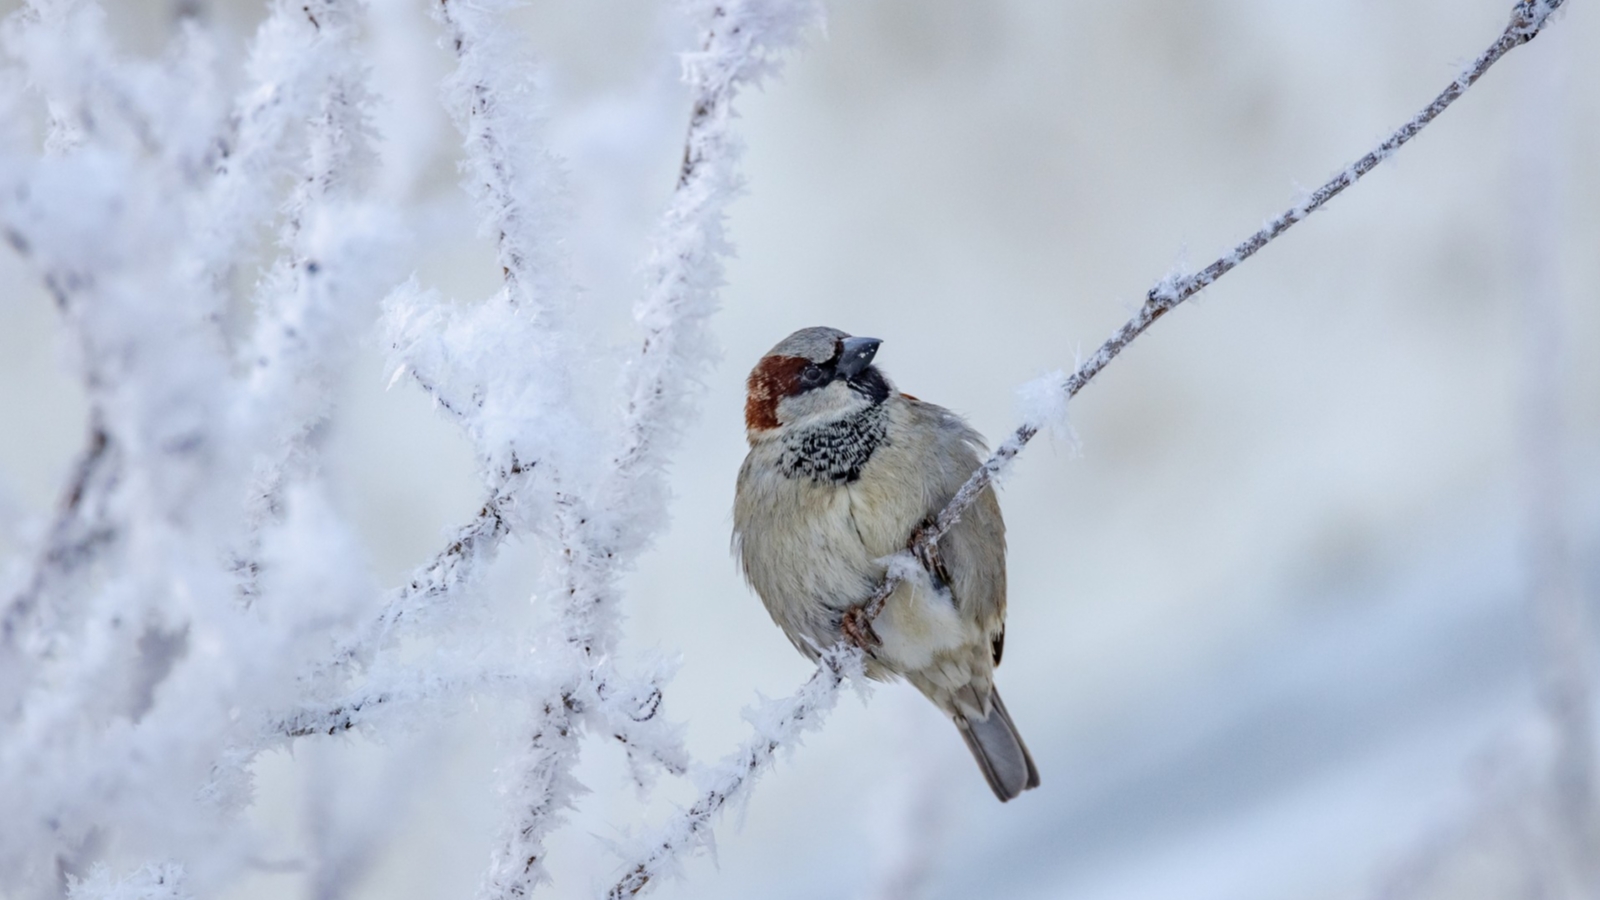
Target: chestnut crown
[[814, 374]]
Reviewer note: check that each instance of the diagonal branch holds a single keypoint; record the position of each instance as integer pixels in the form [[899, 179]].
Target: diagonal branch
[[690, 828], [78, 534], [784, 722], [1528, 18], [686, 266], [743, 44], [602, 533]]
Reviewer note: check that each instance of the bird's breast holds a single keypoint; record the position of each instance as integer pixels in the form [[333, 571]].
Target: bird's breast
[[836, 451]]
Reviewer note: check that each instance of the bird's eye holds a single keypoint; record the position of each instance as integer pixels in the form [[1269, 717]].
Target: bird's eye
[[811, 375]]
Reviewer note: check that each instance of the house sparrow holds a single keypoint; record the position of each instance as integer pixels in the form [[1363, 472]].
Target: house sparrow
[[842, 471]]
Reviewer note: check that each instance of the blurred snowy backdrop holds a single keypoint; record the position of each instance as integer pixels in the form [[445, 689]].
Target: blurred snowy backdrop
[[1270, 629]]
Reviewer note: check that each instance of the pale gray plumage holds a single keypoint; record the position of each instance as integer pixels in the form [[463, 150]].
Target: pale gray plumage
[[842, 469]]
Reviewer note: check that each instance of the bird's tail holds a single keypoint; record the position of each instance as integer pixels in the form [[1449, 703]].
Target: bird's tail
[[999, 750]]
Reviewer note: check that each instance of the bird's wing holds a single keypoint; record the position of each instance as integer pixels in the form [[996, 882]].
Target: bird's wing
[[974, 552]]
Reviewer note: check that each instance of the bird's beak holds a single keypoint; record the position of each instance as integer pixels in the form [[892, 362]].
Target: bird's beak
[[856, 354]]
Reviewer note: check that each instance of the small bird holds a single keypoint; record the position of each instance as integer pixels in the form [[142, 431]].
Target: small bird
[[842, 472]]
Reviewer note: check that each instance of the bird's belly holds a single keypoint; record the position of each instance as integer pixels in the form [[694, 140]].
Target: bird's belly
[[808, 575], [805, 558], [920, 626]]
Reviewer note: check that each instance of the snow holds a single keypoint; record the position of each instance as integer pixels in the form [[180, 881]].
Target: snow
[[1043, 405], [203, 601]]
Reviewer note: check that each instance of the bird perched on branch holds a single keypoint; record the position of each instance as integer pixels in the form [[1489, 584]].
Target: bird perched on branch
[[843, 471]]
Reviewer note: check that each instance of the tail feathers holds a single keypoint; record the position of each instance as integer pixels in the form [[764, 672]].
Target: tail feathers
[[999, 750]]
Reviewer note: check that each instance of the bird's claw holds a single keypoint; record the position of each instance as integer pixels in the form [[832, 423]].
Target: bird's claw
[[857, 628], [926, 551]]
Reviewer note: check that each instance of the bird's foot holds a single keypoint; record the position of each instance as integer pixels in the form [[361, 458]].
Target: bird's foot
[[926, 550], [857, 628]]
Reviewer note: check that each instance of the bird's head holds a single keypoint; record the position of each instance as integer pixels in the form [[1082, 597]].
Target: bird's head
[[815, 375]]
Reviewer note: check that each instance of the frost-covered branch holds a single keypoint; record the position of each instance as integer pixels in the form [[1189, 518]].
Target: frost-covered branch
[[744, 41], [502, 370], [601, 531], [80, 530], [1528, 18], [128, 218], [743, 44], [778, 726], [335, 249], [231, 610], [691, 826], [520, 418], [455, 568], [507, 371], [198, 599]]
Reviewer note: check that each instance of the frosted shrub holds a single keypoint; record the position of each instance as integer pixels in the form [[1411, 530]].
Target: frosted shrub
[[198, 600]]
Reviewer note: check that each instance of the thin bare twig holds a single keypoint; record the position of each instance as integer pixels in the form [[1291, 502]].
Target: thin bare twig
[[801, 712], [602, 532], [1528, 18], [473, 546], [692, 825], [77, 535]]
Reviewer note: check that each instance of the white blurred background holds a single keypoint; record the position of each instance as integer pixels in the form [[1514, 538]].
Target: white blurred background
[[1269, 623]]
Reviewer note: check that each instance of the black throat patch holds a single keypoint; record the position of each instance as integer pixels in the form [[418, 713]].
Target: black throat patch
[[834, 453]]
